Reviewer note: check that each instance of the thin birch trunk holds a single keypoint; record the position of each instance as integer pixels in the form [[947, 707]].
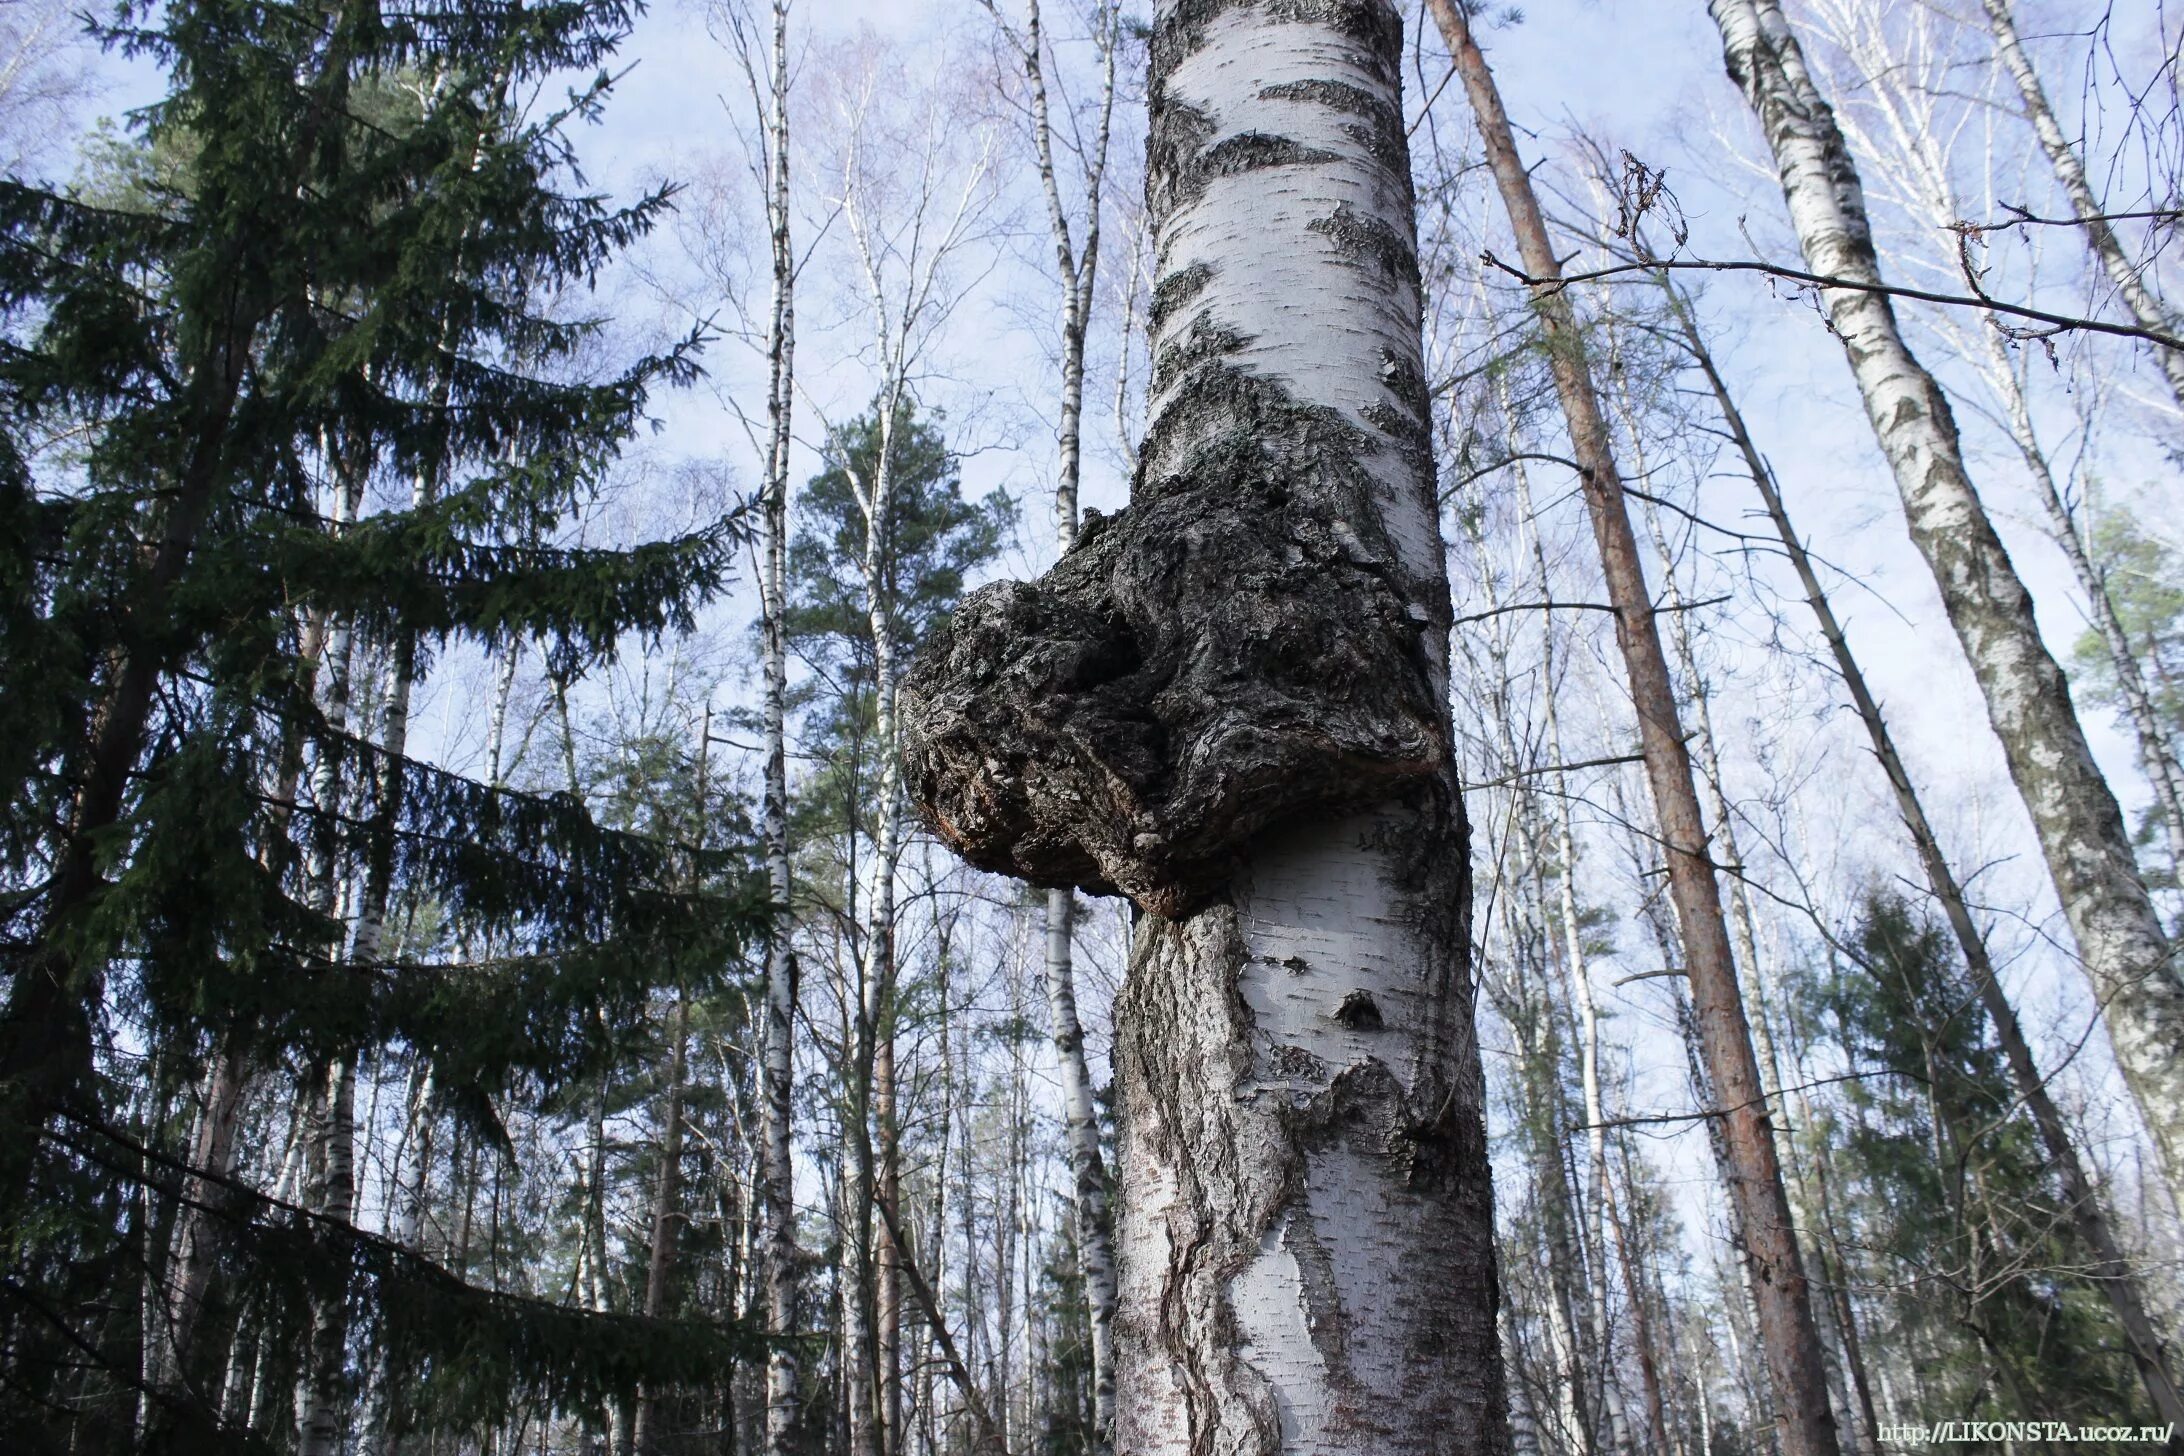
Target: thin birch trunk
[[2120, 939], [2155, 754], [2111, 1271], [197, 1246], [1077, 267], [1789, 1335], [783, 1262], [874, 1423], [1588, 1025], [1910, 152], [320, 1405], [1539, 1062], [2147, 310], [1649, 1372]]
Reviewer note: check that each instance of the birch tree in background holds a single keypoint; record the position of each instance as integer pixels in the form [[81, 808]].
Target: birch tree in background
[[1076, 263], [1902, 74], [2146, 307], [762, 55], [1804, 1423], [2120, 939], [1229, 703], [44, 76], [915, 192]]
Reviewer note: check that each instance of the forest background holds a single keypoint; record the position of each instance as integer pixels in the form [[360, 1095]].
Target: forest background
[[928, 379]]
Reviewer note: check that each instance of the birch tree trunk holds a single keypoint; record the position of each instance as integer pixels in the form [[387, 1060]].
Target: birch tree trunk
[[322, 1400], [197, 1243], [1230, 703], [1783, 1305], [2155, 755], [904, 244], [2111, 1271], [1911, 153], [875, 1423], [1588, 1018], [781, 1260], [2147, 310], [1539, 1064], [2120, 939], [321, 1403], [1077, 268]]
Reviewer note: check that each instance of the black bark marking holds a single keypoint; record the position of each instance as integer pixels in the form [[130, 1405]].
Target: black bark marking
[[1380, 131], [1372, 243], [1175, 290]]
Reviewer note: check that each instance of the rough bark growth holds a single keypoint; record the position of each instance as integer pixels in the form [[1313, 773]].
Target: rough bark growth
[[1233, 650]]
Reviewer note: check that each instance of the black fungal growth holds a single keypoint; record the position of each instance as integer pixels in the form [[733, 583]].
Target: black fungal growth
[[1235, 649]]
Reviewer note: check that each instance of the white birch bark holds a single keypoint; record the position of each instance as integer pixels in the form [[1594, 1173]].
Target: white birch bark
[[1076, 262], [2120, 939], [2147, 310], [765, 64], [1303, 1220], [1230, 703], [1912, 154]]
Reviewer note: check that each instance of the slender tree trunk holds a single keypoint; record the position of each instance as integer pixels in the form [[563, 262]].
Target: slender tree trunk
[[2120, 939], [782, 1261], [1539, 1068], [322, 1398], [1588, 1050], [212, 1160], [1077, 268], [666, 1215], [322, 1402], [1804, 1422], [875, 1421], [2155, 753], [2111, 1271], [1649, 1370], [2147, 310]]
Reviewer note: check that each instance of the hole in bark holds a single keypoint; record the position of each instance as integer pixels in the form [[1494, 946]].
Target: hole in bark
[[1359, 1011]]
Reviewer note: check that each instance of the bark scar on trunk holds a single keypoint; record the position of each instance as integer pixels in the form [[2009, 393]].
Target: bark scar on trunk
[[1225, 654]]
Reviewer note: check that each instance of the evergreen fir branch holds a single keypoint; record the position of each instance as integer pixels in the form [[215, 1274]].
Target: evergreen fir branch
[[518, 863], [464, 1352], [427, 573]]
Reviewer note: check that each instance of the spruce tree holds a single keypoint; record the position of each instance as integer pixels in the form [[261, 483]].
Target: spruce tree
[[329, 294], [1970, 1251]]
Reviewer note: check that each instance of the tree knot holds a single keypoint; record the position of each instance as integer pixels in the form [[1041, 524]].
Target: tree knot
[[1229, 652]]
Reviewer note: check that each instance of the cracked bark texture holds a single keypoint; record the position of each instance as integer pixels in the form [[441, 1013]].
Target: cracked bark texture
[[2121, 944], [1229, 703]]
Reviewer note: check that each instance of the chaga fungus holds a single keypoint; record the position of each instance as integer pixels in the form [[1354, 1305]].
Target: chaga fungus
[[1233, 650]]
